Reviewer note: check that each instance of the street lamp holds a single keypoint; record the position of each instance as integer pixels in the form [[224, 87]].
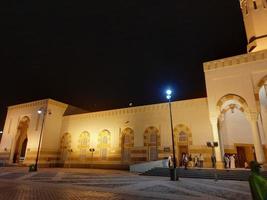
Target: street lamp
[[174, 176], [44, 112]]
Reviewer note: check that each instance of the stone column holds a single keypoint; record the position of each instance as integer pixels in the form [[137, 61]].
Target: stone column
[[221, 120], [216, 138], [256, 137]]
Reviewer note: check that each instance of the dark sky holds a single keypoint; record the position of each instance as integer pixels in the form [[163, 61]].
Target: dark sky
[[104, 54]]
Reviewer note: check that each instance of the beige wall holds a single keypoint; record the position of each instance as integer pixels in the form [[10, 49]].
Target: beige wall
[[192, 113], [235, 128]]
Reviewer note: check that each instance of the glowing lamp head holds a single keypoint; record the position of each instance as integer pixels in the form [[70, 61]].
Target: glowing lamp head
[[168, 94], [39, 111]]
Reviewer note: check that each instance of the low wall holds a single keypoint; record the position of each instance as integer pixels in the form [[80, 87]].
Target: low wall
[[143, 167]]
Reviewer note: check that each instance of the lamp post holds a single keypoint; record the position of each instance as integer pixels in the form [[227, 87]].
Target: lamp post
[[44, 112], [212, 145], [174, 176]]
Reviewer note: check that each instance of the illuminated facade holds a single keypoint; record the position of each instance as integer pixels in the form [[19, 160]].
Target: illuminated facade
[[234, 114]]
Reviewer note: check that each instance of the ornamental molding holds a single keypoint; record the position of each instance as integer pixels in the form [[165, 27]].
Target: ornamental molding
[[235, 60], [199, 102], [40, 103]]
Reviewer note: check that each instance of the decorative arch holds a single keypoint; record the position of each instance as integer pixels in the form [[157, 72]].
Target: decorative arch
[[21, 139], [148, 140], [104, 140], [84, 143], [65, 146], [24, 122], [127, 142], [182, 139], [232, 107], [238, 102], [262, 81], [259, 85], [152, 142], [182, 135]]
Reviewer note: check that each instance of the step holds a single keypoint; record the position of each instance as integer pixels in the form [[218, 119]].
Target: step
[[242, 175]]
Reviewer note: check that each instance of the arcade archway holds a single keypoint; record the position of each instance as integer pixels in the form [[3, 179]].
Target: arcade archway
[[21, 140], [261, 98], [236, 136]]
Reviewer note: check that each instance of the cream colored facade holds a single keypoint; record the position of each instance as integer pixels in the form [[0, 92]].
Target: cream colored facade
[[233, 114]]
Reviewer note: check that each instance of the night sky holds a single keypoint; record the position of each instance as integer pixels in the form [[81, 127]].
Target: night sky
[[107, 53]]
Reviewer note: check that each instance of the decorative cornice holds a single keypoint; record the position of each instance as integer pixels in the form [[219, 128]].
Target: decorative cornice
[[141, 109], [43, 102], [235, 60], [57, 103]]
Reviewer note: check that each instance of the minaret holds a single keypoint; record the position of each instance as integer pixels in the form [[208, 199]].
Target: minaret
[[255, 19]]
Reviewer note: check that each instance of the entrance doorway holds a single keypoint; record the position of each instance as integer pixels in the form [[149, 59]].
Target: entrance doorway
[[244, 154], [183, 149], [241, 156], [21, 140], [23, 149]]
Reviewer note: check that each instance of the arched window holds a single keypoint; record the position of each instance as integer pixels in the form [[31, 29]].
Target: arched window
[[182, 137], [84, 144], [152, 141], [127, 139], [153, 138], [65, 146], [127, 142], [104, 138]]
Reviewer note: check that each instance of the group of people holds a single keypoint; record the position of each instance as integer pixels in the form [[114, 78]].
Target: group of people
[[230, 161], [187, 161]]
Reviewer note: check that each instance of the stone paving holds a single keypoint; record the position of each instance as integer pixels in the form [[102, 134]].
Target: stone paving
[[80, 184]]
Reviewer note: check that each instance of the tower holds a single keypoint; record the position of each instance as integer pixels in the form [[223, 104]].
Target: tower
[[255, 19]]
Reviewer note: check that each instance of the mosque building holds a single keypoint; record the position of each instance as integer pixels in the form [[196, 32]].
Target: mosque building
[[234, 114]]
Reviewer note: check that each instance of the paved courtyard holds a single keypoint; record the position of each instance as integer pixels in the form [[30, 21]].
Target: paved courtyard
[[80, 184]]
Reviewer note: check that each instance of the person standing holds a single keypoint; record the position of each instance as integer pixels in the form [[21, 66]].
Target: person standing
[[170, 162], [226, 161], [185, 161], [213, 161], [190, 161], [201, 160], [232, 161], [196, 160], [182, 160]]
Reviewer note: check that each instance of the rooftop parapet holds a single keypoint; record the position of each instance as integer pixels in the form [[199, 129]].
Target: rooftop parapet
[[235, 60]]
